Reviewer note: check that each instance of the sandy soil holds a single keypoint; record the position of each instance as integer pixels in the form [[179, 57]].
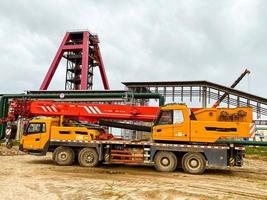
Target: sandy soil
[[31, 177]]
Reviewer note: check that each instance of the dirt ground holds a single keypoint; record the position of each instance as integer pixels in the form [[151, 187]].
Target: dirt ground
[[31, 177]]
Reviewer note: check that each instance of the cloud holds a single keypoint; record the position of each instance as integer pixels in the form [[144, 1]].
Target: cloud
[[140, 40]]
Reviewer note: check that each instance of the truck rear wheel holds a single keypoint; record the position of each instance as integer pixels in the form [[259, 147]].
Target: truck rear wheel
[[88, 157], [194, 163], [165, 161], [63, 156]]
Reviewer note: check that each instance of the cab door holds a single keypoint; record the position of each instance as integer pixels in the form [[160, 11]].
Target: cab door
[[32, 137], [181, 125], [163, 129]]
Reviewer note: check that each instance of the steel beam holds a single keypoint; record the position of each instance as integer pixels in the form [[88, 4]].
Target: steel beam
[[197, 89]]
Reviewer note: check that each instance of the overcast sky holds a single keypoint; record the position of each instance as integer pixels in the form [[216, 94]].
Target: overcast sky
[[139, 40]]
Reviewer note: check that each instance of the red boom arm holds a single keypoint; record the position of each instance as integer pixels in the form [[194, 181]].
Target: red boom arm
[[85, 111]]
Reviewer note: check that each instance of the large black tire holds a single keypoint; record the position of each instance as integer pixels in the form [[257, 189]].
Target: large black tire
[[88, 157], [165, 161], [194, 163], [63, 156]]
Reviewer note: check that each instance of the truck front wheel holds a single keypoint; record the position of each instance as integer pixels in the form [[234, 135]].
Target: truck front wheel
[[63, 156], [88, 157], [165, 161], [194, 163]]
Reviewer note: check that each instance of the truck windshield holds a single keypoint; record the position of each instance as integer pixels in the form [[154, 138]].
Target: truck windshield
[[165, 117]]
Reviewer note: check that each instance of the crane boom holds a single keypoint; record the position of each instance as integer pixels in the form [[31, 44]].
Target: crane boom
[[84, 111]]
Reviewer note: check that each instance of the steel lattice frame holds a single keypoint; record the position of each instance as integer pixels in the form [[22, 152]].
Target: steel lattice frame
[[82, 53]]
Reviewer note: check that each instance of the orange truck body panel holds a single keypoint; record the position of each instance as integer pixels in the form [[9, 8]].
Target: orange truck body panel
[[208, 125]]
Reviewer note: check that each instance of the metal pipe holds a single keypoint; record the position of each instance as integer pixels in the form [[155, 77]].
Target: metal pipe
[[261, 128], [94, 95], [242, 142]]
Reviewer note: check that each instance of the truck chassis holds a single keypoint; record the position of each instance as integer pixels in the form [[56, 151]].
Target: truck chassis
[[166, 157]]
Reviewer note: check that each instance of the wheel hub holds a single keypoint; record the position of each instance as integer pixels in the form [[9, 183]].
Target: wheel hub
[[89, 158], [63, 156], [165, 161], [193, 163]]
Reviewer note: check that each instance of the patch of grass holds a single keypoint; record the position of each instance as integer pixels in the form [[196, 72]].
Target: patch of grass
[[259, 151], [16, 143]]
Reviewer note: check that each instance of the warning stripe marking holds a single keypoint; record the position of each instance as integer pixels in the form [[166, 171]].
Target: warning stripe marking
[[87, 109], [252, 129], [54, 108], [48, 108], [44, 109], [92, 109], [97, 109]]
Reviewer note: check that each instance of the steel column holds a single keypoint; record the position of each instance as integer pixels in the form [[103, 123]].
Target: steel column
[[204, 97], [53, 66], [85, 49]]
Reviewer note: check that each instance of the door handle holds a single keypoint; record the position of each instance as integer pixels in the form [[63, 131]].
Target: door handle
[[37, 139], [158, 130]]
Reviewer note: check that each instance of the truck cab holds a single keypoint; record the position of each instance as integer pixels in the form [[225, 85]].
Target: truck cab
[[40, 131], [173, 123], [36, 134]]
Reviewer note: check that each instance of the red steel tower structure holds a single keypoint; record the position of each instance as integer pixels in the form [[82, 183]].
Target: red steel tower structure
[[81, 50]]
